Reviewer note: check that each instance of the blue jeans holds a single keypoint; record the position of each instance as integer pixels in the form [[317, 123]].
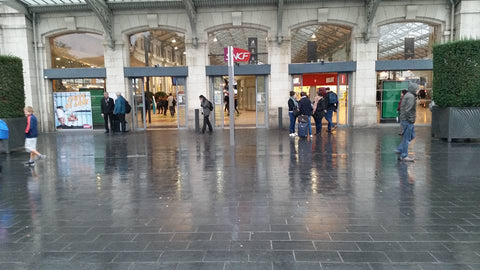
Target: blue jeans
[[408, 136], [293, 119], [310, 125], [328, 117]]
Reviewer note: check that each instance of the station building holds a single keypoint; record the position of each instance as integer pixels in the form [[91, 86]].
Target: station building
[[365, 51]]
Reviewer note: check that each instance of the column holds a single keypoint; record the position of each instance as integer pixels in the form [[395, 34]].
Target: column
[[115, 60], [197, 78], [363, 98], [280, 85], [468, 20]]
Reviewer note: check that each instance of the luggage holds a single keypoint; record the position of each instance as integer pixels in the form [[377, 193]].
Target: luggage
[[303, 130]]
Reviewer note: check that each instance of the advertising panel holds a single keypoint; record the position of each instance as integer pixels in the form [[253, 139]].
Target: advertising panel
[[73, 110]]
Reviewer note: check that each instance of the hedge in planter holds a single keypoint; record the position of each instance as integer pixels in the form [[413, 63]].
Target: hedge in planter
[[12, 95], [12, 101], [456, 84]]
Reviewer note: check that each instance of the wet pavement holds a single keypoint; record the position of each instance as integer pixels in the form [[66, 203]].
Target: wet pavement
[[177, 200]]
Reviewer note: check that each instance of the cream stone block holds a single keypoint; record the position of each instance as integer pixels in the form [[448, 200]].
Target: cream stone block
[[236, 18], [411, 12], [71, 23]]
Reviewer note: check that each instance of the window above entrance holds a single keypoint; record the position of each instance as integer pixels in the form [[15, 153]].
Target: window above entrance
[[324, 42], [251, 39], [77, 50], [162, 48]]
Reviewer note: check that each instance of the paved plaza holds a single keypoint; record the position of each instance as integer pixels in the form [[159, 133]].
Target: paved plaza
[[178, 200]]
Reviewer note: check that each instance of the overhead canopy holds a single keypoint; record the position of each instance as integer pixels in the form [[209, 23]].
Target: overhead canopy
[[59, 5]]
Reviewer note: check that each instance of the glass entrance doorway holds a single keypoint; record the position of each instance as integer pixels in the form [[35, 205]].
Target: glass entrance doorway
[[159, 102], [337, 82], [250, 101]]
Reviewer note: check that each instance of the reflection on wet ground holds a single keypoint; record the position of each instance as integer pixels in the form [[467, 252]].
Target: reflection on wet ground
[[177, 200]]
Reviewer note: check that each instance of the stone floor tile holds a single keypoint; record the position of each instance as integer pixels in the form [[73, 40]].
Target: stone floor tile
[[370, 256], [226, 255], [201, 266], [293, 245], [345, 266], [319, 256], [296, 266], [248, 266], [410, 257], [146, 256]]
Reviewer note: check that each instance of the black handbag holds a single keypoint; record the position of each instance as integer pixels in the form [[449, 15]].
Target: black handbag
[[296, 112]]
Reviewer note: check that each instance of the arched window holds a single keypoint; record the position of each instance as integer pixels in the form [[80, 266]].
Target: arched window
[[323, 42], [77, 50], [407, 40], [251, 39], [162, 48]]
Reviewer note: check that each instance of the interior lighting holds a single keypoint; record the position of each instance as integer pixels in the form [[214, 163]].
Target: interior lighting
[[215, 39], [184, 52], [173, 41], [58, 58], [314, 36], [176, 48]]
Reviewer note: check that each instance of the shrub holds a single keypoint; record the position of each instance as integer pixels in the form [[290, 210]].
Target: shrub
[[456, 74], [12, 94]]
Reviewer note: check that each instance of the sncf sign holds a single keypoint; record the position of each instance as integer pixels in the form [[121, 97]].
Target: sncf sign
[[239, 55]]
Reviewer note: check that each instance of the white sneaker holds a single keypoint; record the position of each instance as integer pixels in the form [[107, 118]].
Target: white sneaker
[[311, 135], [292, 134]]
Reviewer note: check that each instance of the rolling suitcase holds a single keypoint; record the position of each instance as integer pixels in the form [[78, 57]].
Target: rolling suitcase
[[302, 130]]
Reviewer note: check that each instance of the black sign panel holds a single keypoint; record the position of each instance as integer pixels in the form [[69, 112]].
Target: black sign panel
[[409, 48], [253, 49], [312, 51]]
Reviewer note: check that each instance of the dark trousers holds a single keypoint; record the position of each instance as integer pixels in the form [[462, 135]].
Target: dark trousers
[[318, 123], [108, 117], [172, 110], [206, 121], [122, 122]]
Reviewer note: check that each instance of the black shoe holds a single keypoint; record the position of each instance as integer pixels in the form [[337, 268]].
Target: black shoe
[[106, 132], [30, 163]]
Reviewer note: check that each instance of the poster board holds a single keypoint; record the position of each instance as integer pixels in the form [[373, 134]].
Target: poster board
[[73, 110], [391, 92]]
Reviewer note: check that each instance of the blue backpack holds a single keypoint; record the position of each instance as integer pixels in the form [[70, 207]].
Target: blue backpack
[[3, 130], [332, 98]]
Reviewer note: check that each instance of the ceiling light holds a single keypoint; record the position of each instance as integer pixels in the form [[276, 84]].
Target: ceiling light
[[173, 41], [176, 48], [314, 36], [184, 52], [215, 39], [58, 58]]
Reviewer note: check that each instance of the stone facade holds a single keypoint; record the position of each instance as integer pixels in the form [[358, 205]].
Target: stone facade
[[16, 37]]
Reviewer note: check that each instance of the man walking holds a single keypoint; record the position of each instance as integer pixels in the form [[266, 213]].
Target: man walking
[[408, 113], [207, 107], [119, 112], [107, 105], [332, 105]]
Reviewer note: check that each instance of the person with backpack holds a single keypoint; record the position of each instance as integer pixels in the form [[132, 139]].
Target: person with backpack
[[119, 111], [293, 112], [306, 109], [319, 110], [207, 107], [332, 106]]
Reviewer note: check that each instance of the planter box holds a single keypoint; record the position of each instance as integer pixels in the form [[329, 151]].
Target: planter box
[[16, 139], [456, 123]]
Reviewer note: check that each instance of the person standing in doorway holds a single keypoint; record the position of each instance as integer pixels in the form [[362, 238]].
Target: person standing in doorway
[[171, 104], [107, 106], [319, 110], [408, 113], [292, 112], [306, 109], [332, 106], [31, 134], [207, 107], [119, 112]]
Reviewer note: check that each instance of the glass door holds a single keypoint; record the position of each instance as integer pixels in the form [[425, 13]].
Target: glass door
[[138, 97], [217, 98], [342, 93], [181, 93], [261, 102]]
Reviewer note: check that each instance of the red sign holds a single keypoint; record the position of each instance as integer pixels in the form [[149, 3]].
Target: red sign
[[239, 55]]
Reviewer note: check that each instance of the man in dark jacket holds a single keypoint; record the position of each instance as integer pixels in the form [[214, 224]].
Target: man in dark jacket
[[332, 106], [107, 105], [205, 104], [306, 109], [408, 113]]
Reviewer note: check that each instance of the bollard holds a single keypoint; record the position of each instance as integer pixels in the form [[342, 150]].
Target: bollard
[[280, 118], [197, 120]]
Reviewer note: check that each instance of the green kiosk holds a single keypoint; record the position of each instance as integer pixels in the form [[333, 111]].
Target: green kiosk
[[391, 93], [96, 95]]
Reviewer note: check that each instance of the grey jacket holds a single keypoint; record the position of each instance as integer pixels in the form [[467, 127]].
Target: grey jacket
[[408, 108], [206, 110]]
